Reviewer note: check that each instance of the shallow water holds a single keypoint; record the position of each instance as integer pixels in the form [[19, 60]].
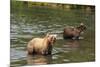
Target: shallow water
[[36, 22]]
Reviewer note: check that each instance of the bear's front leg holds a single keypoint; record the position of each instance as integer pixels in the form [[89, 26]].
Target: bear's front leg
[[75, 37], [49, 49], [30, 50]]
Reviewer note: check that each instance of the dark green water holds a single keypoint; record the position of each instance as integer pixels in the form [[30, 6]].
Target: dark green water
[[27, 23]]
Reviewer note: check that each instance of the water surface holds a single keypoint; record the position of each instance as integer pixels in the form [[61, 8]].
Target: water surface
[[27, 23]]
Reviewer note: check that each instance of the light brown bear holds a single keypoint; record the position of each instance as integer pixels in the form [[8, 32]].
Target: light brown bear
[[41, 45], [73, 32]]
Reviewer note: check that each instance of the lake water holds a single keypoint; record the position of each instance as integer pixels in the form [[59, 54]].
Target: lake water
[[27, 23]]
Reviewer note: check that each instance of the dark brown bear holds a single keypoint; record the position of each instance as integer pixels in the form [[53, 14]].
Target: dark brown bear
[[73, 32]]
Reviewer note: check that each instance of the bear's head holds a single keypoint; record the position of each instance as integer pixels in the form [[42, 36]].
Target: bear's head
[[81, 27], [51, 38]]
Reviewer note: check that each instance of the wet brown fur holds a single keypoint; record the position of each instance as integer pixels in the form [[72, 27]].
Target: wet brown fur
[[41, 45], [73, 32]]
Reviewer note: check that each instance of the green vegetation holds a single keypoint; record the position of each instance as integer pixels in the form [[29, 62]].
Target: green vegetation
[[29, 4]]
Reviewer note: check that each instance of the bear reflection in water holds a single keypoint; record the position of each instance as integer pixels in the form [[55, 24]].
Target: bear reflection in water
[[38, 59], [72, 44]]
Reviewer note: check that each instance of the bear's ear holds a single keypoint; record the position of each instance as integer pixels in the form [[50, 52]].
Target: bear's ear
[[55, 35], [47, 34], [81, 24]]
